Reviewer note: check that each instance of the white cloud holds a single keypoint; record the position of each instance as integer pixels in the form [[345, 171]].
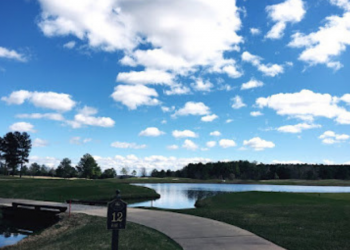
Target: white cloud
[[22, 127], [237, 102], [200, 85], [258, 144], [134, 96], [39, 143], [306, 105], [256, 113], [47, 161], [209, 118], [226, 143], [150, 162], [50, 116], [330, 137], [211, 144], [12, 54], [328, 162], [151, 131], [189, 145], [178, 89], [324, 45], [271, 70], [252, 84], [287, 162], [184, 134], [193, 108], [183, 34], [78, 140], [229, 120], [167, 109], [290, 11], [127, 145], [254, 31], [215, 133], [148, 76], [49, 100], [297, 128], [346, 98], [69, 45], [173, 147], [86, 116]]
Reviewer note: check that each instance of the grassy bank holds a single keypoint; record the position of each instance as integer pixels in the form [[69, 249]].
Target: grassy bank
[[331, 182], [61, 190], [89, 233], [293, 221]]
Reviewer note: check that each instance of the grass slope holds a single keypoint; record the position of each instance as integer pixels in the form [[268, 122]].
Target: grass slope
[[293, 221], [89, 233], [61, 190]]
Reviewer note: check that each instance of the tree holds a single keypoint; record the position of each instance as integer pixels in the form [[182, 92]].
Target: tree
[[134, 173], [109, 173], [124, 171], [143, 172], [65, 169], [34, 169], [24, 147], [88, 168]]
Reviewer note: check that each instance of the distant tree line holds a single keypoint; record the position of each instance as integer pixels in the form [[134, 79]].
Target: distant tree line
[[257, 171]]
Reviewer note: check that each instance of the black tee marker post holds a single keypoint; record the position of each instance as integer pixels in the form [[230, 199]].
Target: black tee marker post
[[116, 218]]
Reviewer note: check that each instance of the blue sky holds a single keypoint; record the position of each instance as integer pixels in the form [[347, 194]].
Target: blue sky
[[159, 84]]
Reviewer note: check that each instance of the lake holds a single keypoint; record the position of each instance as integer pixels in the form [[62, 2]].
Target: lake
[[181, 196]]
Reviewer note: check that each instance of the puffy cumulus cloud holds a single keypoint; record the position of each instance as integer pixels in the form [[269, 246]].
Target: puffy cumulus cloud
[[324, 45], [50, 116], [200, 85], [215, 133], [151, 131], [12, 54], [269, 69], [306, 105], [258, 144], [127, 145], [256, 113], [209, 118], [134, 96], [190, 145], [290, 11], [227, 143], [297, 128], [85, 117], [150, 162], [184, 134], [167, 109], [40, 143], [252, 84], [254, 31], [177, 89], [211, 144], [238, 102], [346, 98], [182, 35], [173, 147], [49, 100], [51, 162], [330, 137], [193, 108], [79, 141], [22, 127], [328, 162], [149, 76], [229, 120], [69, 45]]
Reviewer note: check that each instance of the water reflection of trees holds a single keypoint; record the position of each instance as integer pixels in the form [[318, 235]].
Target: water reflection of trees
[[200, 194]]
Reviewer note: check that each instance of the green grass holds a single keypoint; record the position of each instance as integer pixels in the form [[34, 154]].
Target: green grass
[[61, 190], [89, 233], [293, 221]]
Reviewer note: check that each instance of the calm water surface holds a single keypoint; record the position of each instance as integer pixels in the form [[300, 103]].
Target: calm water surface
[[181, 196]]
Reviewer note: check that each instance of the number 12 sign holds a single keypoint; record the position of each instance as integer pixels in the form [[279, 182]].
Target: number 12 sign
[[116, 215]]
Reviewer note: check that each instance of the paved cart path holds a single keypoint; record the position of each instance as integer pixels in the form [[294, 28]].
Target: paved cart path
[[190, 232]]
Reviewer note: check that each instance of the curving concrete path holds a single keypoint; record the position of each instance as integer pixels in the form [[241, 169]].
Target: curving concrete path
[[190, 232]]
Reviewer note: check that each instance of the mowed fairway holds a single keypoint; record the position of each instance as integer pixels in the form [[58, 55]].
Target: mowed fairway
[[61, 190], [293, 221]]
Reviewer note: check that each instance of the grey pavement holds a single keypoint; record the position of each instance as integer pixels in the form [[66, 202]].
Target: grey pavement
[[190, 232]]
